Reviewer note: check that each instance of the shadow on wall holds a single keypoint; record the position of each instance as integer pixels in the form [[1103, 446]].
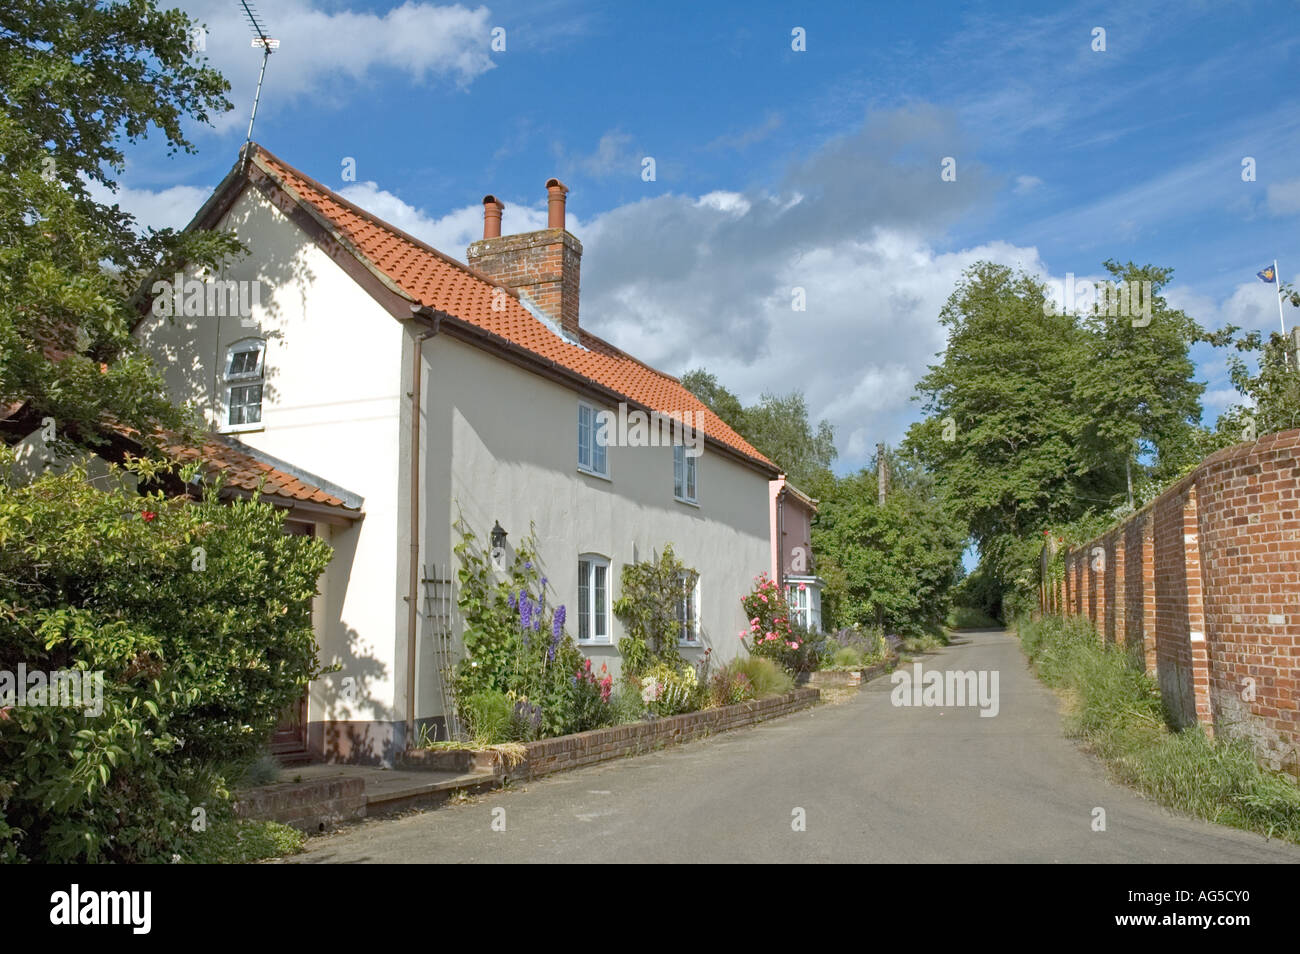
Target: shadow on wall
[[195, 363]]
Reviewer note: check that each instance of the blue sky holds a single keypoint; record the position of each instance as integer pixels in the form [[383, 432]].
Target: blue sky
[[777, 168]]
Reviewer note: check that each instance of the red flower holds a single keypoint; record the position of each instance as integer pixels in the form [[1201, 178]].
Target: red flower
[[148, 515]]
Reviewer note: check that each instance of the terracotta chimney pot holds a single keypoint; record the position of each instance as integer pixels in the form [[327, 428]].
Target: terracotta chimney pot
[[555, 193], [492, 207]]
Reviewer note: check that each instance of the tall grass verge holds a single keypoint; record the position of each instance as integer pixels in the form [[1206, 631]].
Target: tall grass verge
[[1116, 709]]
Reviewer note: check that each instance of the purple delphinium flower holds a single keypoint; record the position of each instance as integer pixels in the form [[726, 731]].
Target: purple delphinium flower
[[525, 611], [512, 600], [557, 622]]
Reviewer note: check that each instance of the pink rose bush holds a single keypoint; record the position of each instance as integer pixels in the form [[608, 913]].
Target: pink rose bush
[[770, 632]]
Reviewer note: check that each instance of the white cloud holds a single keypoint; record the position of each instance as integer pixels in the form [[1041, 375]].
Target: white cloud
[[167, 208], [332, 55], [1284, 197], [733, 202], [1027, 184]]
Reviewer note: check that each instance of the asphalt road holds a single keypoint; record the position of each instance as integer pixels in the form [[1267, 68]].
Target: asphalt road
[[875, 782]]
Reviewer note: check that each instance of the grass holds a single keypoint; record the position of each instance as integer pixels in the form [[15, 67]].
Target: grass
[[968, 617], [1116, 709], [240, 841], [925, 643], [766, 676]]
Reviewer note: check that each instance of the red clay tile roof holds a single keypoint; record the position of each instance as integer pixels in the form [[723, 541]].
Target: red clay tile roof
[[434, 279], [246, 472], [240, 467]]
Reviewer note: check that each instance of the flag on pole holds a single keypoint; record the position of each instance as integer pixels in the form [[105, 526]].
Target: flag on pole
[[1269, 274]]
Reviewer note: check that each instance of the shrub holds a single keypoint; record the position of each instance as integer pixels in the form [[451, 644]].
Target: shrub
[[868, 642], [847, 658], [765, 676], [771, 635], [197, 613], [667, 691], [592, 709], [649, 602], [970, 617], [516, 644], [728, 687], [626, 704]]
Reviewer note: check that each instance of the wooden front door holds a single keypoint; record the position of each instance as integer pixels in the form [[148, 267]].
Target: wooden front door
[[289, 740]]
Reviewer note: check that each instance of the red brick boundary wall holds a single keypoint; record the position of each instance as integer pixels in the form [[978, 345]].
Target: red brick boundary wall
[[1203, 587]]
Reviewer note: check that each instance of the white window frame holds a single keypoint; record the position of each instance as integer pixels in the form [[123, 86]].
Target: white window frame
[[230, 381], [591, 604], [686, 476], [689, 600], [597, 462], [801, 610]]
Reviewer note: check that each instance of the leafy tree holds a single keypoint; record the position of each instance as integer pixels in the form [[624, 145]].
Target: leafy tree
[[1040, 418], [1271, 388], [778, 426], [1004, 429], [900, 560], [1137, 382], [77, 77], [716, 398]]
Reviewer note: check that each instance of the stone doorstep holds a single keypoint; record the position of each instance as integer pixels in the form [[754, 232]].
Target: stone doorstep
[[431, 794]]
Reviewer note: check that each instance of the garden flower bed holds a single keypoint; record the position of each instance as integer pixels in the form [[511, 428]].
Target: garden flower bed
[[544, 756]]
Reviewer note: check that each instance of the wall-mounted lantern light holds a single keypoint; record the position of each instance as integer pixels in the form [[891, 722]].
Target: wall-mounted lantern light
[[498, 536]]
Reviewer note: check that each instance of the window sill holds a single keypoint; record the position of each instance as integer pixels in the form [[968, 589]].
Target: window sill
[[594, 473], [593, 642], [693, 644], [241, 428], [687, 501]]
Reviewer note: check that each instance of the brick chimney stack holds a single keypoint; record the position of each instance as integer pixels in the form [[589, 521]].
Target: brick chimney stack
[[544, 266]]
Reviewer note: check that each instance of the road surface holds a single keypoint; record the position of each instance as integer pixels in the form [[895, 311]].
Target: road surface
[[872, 781]]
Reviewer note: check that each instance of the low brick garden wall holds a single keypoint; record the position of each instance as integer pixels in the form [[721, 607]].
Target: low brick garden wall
[[310, 806], [828, 678], [601, 745]]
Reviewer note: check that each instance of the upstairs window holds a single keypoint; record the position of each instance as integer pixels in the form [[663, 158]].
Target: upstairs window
[[243, 383], [592, 458], [684, 474]]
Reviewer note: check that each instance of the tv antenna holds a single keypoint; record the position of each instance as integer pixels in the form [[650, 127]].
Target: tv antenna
[[267, 44]]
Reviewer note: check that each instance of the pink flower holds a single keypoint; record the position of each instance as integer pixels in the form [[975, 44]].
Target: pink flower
[[754, 621], [802, 587]]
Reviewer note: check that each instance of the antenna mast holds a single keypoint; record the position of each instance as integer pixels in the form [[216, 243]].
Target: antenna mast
[[267, 44]]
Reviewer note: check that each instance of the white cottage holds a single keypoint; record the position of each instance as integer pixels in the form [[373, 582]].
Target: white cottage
[[387, 389]]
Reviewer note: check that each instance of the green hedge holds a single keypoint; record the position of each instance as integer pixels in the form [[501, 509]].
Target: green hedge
[[199, 616]]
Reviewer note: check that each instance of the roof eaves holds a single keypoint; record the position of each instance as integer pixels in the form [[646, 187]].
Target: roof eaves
[[352, 501]]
